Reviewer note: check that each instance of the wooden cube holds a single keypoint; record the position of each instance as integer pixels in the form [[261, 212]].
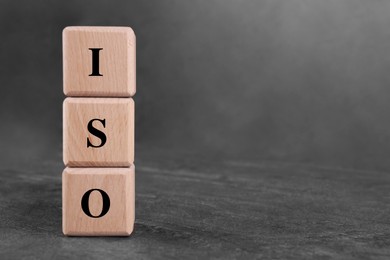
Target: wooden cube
[[98, 132], [99, 61], [98, 201]]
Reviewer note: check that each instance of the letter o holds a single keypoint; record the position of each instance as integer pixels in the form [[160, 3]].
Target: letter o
[[85, 203]]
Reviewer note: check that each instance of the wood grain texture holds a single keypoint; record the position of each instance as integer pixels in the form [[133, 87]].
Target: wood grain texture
[[117, 61], [118, 113], [119, 185]]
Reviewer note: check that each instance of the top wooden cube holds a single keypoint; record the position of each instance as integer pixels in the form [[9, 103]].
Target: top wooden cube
[[99, 61]]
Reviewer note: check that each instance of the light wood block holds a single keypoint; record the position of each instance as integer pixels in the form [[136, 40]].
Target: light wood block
[[117, 61], [88, 121], [85, 212]]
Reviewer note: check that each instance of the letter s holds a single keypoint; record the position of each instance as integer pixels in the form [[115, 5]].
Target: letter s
[[96, 133]]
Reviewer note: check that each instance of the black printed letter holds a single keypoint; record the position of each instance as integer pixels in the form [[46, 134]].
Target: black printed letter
[[96, 133], [95, 61], [85, 203]]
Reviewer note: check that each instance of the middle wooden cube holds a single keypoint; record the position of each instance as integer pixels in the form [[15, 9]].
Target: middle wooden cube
[[98, 132]]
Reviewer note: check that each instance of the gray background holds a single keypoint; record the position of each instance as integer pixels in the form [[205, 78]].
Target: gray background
[[285, 80], [262, 129]]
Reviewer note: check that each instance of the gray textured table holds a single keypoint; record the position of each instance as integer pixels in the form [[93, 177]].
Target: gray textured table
[[191, 206]]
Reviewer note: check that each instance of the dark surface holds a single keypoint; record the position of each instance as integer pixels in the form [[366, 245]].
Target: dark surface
[[189, 206]]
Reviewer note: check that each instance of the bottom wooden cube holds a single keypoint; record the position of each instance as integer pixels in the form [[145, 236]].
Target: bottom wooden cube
[[98, 201]]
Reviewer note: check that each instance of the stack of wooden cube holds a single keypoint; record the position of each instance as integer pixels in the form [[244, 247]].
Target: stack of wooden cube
[[98, 183]]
